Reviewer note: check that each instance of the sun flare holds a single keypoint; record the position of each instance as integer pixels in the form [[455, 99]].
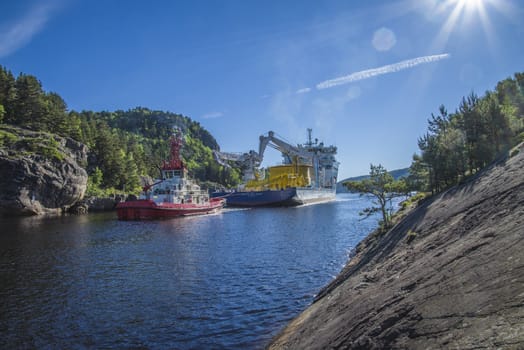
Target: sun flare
[[467, 8], [471, 7], [465, 15], [471, 3]]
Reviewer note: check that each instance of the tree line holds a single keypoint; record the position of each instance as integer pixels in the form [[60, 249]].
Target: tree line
[[124, 145], [461, 143], [455, 146]]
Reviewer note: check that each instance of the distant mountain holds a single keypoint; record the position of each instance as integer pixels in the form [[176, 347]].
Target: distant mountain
[[397, 174]]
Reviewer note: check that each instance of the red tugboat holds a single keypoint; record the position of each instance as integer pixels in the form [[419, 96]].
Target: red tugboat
[[172, 196]]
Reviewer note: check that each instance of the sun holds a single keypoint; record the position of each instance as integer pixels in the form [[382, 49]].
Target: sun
[[472, 10], [465, 15], [466, 9], [471, 7], [471, 3]]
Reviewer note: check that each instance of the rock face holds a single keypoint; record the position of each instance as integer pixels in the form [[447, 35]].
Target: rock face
[[36, 178], [449, 275], [95, 204]]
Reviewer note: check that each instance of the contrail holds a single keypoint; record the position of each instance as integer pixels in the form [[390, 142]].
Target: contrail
[[390, 68]]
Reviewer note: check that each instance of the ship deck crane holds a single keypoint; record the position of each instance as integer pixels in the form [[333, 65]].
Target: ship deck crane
[[319, 157], [305, 153], [313, 155], [248, 162]]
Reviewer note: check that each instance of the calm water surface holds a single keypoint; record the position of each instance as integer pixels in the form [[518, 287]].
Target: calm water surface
[[230, 280]]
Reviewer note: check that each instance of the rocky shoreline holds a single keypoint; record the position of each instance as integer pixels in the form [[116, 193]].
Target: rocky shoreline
[[44, 174], [97, 204], [41, 173], [450, 274]]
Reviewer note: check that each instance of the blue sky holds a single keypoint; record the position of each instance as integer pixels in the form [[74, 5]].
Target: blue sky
[[365, 75]]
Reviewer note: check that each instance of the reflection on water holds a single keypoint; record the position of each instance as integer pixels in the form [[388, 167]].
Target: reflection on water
[[228, 280]]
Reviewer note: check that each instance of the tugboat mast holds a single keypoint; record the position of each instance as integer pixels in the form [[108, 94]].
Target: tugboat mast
[[175, 160]]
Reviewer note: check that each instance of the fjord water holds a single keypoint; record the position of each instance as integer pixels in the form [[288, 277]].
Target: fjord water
[[228, 280]]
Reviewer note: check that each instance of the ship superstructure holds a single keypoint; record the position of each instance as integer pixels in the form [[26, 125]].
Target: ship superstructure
[[307, 174]]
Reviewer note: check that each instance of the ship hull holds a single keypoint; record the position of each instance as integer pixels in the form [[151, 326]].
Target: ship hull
[[144, 209], [260, 198], [287, 197]]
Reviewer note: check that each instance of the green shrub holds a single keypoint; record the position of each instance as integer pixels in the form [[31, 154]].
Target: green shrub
[[7, 138], [47, 147], [413, 199], [410, 236], [514, 152]]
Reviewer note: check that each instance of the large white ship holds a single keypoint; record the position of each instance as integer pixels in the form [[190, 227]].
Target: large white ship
[[308, 174]]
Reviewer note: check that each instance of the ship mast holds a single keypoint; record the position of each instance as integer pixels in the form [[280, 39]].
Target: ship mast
[[175, 160], [309, 141]]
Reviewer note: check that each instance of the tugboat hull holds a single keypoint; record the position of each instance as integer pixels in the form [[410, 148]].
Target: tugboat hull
[[144, 209]]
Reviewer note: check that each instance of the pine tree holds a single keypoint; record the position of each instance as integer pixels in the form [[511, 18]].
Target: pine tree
[[56, 114], [384, 188], [7, 94], [29, 105]]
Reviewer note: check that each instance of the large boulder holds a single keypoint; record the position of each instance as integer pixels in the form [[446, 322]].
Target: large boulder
[[40, 173]]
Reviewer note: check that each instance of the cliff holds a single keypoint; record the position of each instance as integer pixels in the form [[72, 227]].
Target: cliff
[[40, 173], [450, 274]]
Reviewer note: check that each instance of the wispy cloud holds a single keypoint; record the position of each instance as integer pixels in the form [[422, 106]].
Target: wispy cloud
[[212, 115], [303, 91], [20, 32], [390, 68]]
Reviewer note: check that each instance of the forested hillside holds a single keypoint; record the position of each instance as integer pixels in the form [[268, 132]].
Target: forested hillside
[[124, 145]]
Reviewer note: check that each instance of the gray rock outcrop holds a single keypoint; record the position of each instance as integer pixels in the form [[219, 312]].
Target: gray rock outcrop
[[40, 173], [449, 275], [94, 204]]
